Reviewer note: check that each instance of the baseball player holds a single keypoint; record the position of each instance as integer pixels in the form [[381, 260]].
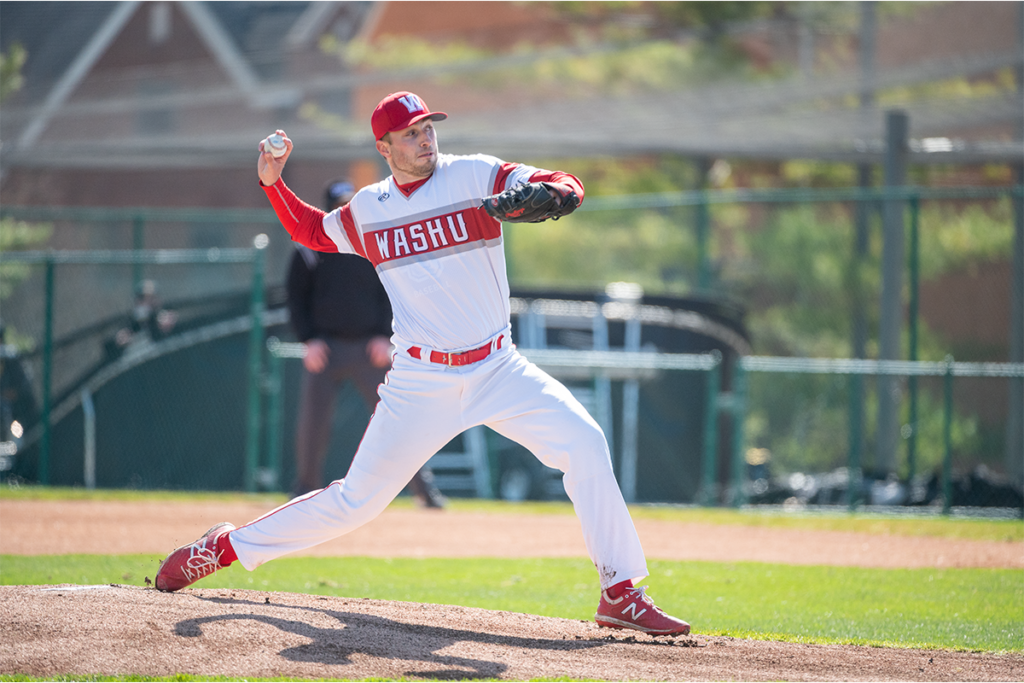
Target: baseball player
[[433, 231], [340, 311]]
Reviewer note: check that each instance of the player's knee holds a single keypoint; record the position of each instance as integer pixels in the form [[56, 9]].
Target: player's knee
[[588, 451], [591, 437]]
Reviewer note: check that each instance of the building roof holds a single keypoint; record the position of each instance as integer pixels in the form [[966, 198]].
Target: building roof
[[250, 67]]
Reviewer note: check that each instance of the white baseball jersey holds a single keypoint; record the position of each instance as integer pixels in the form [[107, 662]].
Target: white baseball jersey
[[438, 253], [440, 257]]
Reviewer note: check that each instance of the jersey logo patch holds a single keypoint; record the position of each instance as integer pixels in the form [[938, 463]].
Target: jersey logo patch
[[383, 197]]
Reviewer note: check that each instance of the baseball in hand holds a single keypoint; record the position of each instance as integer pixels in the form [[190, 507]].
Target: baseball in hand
[[275, 143]]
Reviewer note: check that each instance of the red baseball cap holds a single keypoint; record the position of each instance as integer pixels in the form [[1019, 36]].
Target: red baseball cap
[[400, 110]]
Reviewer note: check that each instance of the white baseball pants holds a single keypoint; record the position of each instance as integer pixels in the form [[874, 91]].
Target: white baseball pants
[[425, 405]]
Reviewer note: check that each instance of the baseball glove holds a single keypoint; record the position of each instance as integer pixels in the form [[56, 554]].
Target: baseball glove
[[531, 203]]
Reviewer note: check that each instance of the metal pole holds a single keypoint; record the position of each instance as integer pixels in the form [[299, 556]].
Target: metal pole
[[274, 388], [89, 424], [712, 383], [630, 411], [1015, 421], [252, 446], [891, 305], [603, 386], [861, 250], [44, 444], [855, 435], [854, 458], [138, 244], [703, 266], [739, 410], [947, 422], [630, 425], [703, 218], [914, 267]]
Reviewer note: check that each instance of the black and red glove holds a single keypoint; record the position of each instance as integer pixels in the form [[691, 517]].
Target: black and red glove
[[532, 203]]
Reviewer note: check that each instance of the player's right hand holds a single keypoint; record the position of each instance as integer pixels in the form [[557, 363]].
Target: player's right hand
[[268, 166]]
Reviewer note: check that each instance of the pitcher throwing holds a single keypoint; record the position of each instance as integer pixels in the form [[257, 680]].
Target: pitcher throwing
[[433, 231]]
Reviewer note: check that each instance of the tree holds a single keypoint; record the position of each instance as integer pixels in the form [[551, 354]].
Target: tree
[[14, 234]]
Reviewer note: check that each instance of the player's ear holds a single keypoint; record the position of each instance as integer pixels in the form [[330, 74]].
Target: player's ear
[[384, 149]]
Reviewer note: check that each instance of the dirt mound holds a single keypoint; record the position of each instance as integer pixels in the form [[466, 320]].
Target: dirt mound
[[121, 630]]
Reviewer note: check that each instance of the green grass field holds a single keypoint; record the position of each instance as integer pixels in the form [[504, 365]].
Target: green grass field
[[967, 609]]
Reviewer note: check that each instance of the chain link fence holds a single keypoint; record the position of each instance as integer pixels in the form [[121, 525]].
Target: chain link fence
[[139, 371], [808, 266], [184, 397]]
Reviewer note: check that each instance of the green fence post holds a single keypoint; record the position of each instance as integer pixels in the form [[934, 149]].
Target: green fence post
[[739, 412], [913, 267], [274, 413], [138, 243], [861, 249], [252, 445], [44, 443], [713, 380], [703, 228], [947, 422], [856, 441]]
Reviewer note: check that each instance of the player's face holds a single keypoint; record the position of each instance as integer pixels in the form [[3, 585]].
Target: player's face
[[412, 152]]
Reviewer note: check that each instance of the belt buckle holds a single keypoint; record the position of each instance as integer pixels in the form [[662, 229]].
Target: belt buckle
[[449, 356]]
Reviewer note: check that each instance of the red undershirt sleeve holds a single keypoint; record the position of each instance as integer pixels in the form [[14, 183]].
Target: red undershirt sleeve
[[566, 180], [559, 178], [303, 222]]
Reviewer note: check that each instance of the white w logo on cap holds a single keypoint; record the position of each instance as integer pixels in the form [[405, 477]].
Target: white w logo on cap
[[411, 102]]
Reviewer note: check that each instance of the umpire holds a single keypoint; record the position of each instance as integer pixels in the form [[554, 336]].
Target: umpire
[[341, 312]]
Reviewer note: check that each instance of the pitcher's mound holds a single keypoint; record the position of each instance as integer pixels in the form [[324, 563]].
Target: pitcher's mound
[[123, 630]]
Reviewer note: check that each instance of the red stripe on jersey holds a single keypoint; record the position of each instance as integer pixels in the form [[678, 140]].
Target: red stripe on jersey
[[303, 222], [434, 234], [504, 171], [351, 231]]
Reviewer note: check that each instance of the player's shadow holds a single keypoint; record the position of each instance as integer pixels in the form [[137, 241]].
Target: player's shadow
[[385, 638]]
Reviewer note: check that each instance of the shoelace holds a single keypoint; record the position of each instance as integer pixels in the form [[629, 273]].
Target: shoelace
[[201, 562], [642, 590]]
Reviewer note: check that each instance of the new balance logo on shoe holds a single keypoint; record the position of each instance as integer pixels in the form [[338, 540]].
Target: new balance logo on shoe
[[635, 610], [632, 608]]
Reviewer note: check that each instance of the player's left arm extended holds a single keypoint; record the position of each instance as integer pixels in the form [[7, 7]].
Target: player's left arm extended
[[563, 182], [547, 195]]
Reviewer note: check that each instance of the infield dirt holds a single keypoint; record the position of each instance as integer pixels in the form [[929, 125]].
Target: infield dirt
[[122, 630]]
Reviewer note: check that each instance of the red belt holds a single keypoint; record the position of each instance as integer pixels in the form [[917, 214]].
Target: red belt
[[457, 359]]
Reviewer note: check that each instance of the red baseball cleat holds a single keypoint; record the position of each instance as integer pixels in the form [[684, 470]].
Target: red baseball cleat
[[189, 563], [637, 611]]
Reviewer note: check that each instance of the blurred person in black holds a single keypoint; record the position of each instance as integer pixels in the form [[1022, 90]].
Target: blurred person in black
[[148, 322], [341, 312]]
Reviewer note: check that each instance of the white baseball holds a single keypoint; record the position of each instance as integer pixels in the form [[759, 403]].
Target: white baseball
[[275, 143]]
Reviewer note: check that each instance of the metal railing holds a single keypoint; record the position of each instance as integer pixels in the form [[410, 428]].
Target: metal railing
[[624, 365], [947, 369]]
